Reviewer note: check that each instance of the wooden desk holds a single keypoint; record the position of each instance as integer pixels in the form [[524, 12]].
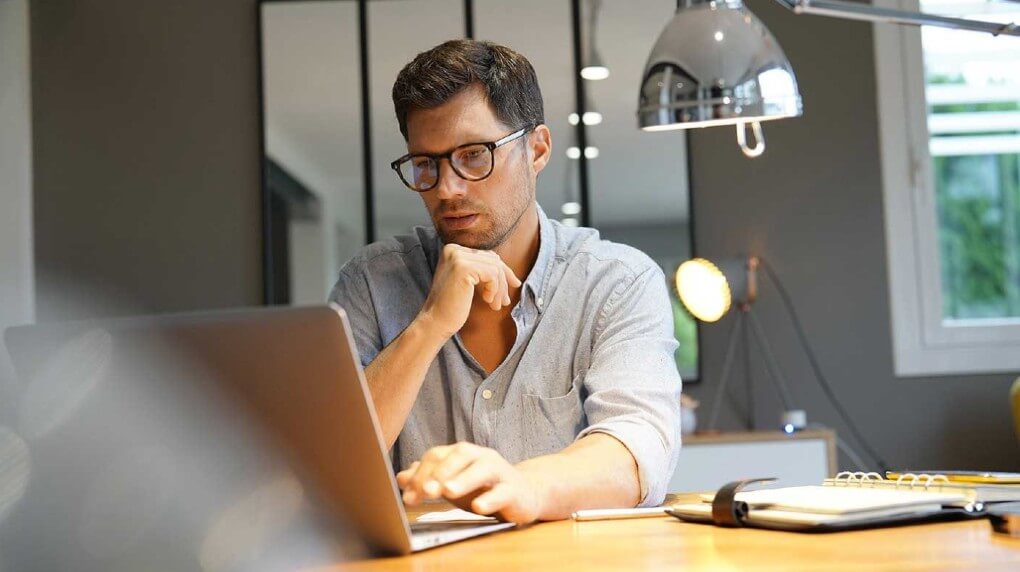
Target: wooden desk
[[669, 544]]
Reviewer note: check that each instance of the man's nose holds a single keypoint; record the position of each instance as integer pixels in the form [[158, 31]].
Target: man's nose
[[450, 185]]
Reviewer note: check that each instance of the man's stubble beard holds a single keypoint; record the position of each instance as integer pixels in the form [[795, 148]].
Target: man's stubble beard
[[501, 228]]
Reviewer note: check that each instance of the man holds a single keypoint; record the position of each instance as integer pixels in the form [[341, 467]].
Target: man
[[518, 367]]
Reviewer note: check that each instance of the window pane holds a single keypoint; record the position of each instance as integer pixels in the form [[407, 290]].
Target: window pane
[[398, 31], [313, 144], [973, 94], [551, 54], [638, 185]]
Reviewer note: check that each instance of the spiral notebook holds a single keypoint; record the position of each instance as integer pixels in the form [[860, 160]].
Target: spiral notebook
[[856, 500]]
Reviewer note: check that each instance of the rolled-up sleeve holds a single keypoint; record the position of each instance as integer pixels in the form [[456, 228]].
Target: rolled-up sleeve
[[632, 386], [352, 293]]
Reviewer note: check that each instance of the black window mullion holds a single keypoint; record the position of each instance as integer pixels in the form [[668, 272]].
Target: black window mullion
[[366, 123], [579, 98]]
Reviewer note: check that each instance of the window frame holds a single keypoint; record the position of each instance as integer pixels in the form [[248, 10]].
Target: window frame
[[923, 342]]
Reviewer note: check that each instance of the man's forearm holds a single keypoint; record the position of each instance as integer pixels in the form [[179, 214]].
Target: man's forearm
[[595, 472], [396, 374]]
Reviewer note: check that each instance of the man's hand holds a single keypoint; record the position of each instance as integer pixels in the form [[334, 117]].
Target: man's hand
[[473, 478], [462, 271]]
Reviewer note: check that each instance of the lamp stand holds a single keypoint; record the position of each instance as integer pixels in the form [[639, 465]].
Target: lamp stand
[[745, 320]]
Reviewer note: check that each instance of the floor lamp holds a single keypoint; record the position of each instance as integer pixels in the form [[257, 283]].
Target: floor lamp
[[709, 291]]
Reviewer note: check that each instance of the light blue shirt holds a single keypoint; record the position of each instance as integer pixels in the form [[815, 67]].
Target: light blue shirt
[[593, 353]]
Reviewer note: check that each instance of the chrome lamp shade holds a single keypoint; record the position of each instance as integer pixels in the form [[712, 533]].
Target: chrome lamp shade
[[715, 63]]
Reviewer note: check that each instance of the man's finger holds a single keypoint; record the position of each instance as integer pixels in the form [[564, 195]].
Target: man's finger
[[503, 296], [512, 278], [508, 277], [487, 277], [486, 281], [494, 500], [419, 485], [487, 258], [459, 458], [403, 477], [482, 473], [496, 287], [502, 277]]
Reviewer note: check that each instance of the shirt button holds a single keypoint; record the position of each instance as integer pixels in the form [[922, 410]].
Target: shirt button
[[539, 302], [487, 394]]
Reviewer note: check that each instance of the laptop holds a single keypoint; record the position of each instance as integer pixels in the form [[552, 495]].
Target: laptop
[[295, 374]]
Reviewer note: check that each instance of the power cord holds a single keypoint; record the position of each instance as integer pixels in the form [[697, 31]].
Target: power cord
[[845, 447], [823, 382]]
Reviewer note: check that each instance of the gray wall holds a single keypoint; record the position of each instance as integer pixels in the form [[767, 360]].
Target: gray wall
[[146, 155], [812, 205]]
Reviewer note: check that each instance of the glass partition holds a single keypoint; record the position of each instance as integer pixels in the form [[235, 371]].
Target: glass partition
[[552, 57], [398, 30], [321, 205], [638, 188], [313, 151]]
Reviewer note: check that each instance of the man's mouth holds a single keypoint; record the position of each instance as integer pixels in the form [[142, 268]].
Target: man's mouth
[[459, 221]]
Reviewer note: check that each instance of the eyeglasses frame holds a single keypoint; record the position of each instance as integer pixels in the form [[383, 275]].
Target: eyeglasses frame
[[490, 145]]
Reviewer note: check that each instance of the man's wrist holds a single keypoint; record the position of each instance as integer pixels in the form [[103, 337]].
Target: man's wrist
[[428, 330], [539, 486]]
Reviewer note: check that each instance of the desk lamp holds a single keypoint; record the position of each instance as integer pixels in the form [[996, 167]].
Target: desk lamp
[[715, 63]]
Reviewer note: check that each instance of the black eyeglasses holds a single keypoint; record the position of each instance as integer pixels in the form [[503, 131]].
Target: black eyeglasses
[[471, 162]]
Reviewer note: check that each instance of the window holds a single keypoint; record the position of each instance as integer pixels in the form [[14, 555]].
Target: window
[[949, 107]]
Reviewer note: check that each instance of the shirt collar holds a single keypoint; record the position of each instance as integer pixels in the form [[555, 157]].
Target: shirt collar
[[537, 278]]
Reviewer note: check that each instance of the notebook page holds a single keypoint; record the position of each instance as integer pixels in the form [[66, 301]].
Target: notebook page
[[840, 500], [807, 518]]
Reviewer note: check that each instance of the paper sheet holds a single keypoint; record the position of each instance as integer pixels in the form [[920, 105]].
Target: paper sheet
[[454, 515]]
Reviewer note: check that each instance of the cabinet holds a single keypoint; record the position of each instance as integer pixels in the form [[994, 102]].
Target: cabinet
[[709, 461]]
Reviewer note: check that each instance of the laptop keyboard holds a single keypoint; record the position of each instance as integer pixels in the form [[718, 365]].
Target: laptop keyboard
[[426, 527]]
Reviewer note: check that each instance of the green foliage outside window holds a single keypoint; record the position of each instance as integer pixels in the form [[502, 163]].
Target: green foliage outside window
[[978, 200], [978, 207], [686, 331]]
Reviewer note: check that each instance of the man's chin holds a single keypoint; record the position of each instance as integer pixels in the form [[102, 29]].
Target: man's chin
[[468, 239]]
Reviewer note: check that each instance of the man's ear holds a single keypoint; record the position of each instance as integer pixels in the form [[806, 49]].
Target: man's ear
[[541, 147]]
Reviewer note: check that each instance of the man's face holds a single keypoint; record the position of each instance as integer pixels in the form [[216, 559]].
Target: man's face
[[475, 214]]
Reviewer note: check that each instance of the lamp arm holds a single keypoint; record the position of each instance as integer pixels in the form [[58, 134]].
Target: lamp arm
[[869, 13]]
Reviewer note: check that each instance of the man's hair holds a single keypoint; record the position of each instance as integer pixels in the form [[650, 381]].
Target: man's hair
[[434, 77]]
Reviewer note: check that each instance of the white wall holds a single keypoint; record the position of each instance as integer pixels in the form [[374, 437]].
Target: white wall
[[16, 267]]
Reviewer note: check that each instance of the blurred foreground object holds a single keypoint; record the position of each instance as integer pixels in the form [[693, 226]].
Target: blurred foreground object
[[126, 449]]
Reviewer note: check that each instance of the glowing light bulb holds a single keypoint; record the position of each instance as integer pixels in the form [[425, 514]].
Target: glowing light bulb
[[703, 289]]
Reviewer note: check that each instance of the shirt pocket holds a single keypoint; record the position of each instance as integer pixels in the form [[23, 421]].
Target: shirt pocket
[[552, 423]]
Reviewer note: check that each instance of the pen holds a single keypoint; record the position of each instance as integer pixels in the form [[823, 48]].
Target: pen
[[615, 513]]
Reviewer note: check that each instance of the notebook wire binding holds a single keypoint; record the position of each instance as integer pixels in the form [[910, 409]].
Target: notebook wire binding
[[907, 482]]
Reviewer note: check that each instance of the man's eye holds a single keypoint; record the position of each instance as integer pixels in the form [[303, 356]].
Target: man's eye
[[472, 156]]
